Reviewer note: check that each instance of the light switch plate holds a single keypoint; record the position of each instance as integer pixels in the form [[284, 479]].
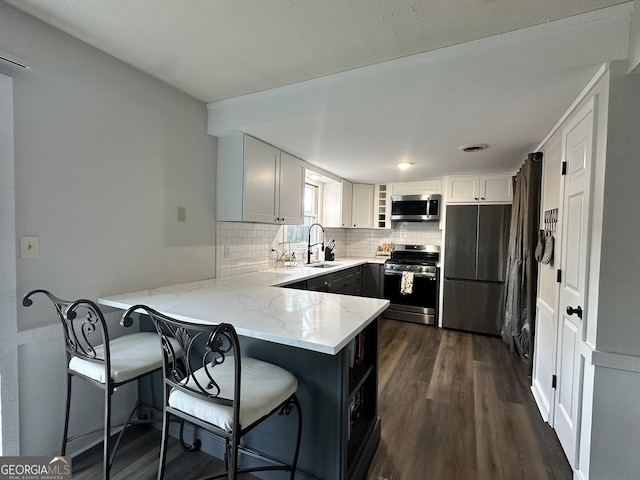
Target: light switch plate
[[29, 247]]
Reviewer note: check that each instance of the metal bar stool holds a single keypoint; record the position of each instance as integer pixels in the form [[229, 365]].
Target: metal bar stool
[[216, 389], [106, 364]]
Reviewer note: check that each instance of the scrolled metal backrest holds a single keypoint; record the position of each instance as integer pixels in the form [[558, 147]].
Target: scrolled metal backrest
[[83, 325], [203, 346]]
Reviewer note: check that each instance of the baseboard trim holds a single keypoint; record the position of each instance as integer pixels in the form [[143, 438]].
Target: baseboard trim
[[543, 407]]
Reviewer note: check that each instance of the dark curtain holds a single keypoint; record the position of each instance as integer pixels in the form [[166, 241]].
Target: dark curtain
[[522, 268]]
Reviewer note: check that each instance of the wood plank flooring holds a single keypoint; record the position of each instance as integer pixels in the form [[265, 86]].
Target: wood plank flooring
[[454, 406], [458, 406], [138, 458]]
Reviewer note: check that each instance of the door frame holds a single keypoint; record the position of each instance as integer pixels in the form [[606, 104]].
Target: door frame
[[589, 106]]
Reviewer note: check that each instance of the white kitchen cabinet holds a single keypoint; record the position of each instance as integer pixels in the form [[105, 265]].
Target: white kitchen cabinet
[[336, 204], [291, 192], [258, 182], [347, 205], [426, 187], [362, 206], [496, 188]]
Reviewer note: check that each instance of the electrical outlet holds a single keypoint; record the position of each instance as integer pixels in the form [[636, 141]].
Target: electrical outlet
[[29, 247], [182, 214]]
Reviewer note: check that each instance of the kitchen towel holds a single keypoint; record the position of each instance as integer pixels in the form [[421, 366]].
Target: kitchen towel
[[406, 284]]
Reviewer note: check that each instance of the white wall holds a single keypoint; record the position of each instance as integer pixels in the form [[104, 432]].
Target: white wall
[[8, 305], [619, 302], [634, 40], [616, 411], [104, 156]]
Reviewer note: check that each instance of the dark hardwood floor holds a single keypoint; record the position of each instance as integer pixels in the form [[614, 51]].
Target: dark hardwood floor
[[458, 406], [454, 406], [138, 457]]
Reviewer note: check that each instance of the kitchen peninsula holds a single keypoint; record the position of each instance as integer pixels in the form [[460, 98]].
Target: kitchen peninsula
[[311, 334]]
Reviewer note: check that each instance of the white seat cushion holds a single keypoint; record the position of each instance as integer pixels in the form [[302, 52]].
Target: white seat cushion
[[131, 356], [263, 387]]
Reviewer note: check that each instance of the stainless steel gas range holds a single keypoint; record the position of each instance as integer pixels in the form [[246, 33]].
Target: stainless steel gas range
[[411, 283]]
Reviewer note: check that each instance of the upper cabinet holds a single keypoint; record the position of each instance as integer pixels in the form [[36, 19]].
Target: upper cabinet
[[362, 206], [258, 182], [347, 205], [495, 188], [291, 189], [382, 206], [336, 204]]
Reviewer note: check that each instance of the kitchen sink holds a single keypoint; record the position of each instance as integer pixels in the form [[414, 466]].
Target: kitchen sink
[[324, 265]]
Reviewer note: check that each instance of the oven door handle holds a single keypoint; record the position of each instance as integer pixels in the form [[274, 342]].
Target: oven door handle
[[419, 275]]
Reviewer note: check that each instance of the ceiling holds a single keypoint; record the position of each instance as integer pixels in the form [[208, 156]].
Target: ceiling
[[355, 86]]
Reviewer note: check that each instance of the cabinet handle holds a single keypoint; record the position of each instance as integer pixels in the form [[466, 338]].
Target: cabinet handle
[[282, 219], [482, 198], [475, 198]]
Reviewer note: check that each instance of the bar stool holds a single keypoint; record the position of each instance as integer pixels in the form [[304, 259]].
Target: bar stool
[[216, 389], [106, 364]]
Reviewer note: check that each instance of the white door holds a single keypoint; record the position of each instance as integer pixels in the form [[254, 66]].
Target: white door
[[577, 151]]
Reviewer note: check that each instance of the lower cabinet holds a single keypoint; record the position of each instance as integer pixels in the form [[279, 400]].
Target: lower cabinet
[[360, 424], [373, 280], [339, 398], [344, 282], [347, 282]]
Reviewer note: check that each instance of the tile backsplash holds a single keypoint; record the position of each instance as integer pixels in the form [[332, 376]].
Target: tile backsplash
[[247, 247]]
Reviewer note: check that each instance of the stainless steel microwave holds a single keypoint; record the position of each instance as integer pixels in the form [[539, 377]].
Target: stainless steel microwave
[[415, 208]]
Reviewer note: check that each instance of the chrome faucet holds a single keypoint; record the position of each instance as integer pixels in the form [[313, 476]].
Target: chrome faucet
[[318, 243]]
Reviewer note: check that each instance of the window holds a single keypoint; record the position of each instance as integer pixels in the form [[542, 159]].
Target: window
[[299, 233]]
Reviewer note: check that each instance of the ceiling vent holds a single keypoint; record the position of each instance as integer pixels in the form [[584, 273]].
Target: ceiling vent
[[473, 148]]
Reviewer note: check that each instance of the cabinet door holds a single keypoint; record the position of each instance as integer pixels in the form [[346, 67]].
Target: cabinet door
[[496, 188], [346, 200], [331, 205], [260, 163], [362, 212], [373, 280], [291, 191], [463, 189]]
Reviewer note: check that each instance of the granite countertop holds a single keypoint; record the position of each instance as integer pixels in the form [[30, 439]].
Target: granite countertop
[[322, 322]]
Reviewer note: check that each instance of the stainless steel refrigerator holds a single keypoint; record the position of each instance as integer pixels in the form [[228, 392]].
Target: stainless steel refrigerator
[[476, 242]]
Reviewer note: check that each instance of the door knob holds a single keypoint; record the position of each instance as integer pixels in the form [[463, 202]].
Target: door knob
[[577, 311]]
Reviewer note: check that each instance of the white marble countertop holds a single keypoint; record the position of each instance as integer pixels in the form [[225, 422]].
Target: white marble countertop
[[281, 277], [322, 322]]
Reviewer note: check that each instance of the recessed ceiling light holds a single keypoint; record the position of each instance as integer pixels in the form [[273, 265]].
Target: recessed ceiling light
[[404, 165], [473, 148], [315, 176]]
